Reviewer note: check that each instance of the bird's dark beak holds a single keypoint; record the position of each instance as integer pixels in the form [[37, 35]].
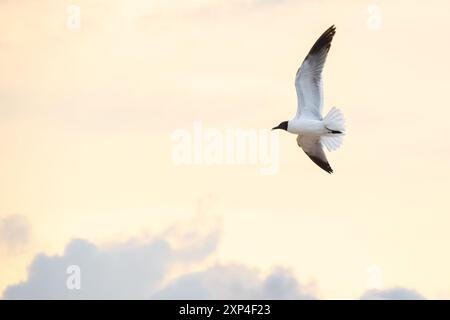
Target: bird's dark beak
[[277, 127]]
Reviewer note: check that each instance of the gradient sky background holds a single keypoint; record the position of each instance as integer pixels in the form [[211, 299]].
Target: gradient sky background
[[86, 118]]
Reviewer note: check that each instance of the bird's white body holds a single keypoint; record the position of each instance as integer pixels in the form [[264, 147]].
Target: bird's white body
[[307, 126]]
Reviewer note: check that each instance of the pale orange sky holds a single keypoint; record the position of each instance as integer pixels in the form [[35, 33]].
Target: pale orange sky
[[86, 118]]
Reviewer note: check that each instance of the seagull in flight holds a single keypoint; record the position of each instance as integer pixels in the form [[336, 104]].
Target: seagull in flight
[[312, 130]]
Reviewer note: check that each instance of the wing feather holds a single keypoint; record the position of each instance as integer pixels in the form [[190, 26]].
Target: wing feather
[[312, 146], [308, 80]]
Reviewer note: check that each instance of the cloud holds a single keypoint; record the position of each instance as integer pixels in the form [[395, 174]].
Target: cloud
[[135, 270], [235, 282], [392, 294], [14, 233], [142, 269], [124, 271], [130, 270]]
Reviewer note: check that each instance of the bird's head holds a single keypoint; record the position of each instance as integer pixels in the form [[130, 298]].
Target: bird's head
[[283, 125]]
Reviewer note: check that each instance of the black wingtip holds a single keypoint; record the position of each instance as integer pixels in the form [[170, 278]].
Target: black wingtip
[[324, 165], [324, 40]]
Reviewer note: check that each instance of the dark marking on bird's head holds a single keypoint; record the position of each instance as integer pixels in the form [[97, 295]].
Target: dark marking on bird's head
[[283, 125]]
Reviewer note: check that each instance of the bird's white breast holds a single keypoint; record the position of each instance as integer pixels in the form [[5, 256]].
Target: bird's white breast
[[306, 126]]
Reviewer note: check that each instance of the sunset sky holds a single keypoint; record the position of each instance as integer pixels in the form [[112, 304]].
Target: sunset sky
[[88, 109]]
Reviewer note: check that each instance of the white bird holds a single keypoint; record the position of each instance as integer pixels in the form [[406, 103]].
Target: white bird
[[312, 129]]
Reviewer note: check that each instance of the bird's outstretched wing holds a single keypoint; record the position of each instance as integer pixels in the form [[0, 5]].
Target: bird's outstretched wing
[[308, 81], [313, 148]]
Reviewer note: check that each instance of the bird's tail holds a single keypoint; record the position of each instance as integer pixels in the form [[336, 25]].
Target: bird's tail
[[335, 122]]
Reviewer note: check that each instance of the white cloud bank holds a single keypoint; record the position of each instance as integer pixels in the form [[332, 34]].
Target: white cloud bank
[[235, 282], [136, 270], [392, 294]]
